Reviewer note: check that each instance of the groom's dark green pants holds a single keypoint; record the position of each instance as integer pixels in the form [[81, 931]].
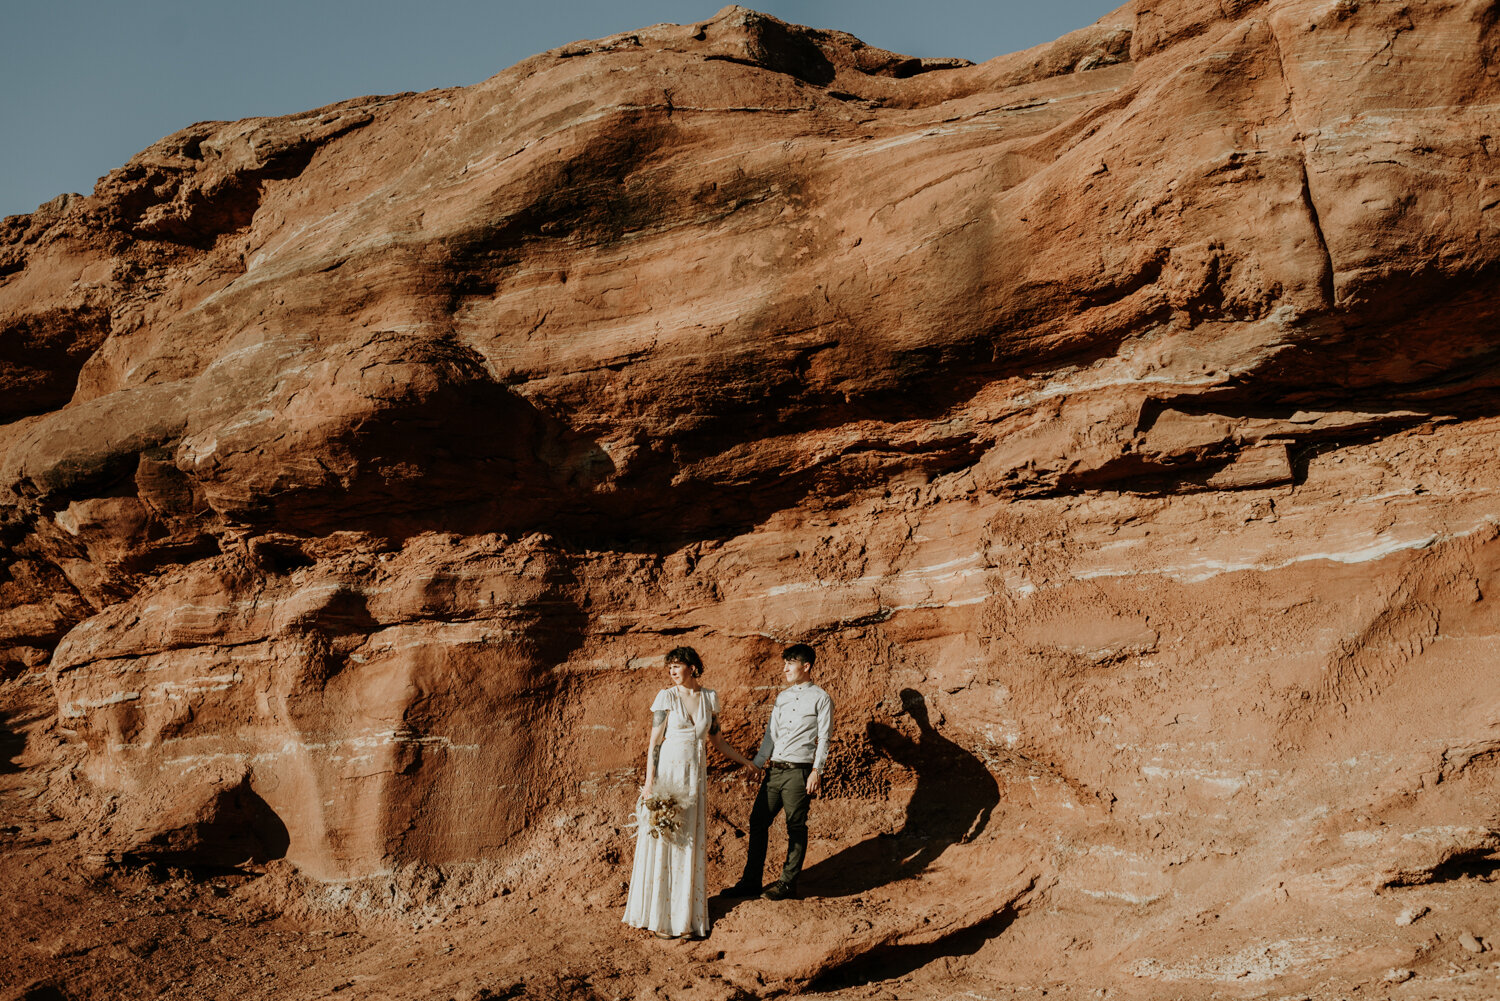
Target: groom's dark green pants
[[782, 789]]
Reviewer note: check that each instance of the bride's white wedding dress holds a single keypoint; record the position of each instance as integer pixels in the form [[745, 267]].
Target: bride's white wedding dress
[[668, 882]]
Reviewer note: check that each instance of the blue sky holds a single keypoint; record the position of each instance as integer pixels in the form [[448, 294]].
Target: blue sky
[[88, 83]]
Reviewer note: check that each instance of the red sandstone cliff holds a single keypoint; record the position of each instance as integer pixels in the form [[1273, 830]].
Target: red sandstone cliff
[[1127, 405]]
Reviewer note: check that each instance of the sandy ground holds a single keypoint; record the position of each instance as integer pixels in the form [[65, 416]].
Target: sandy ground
[[82, 926]]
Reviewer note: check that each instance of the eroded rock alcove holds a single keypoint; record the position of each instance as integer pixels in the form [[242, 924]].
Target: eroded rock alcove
[[1118, 417]]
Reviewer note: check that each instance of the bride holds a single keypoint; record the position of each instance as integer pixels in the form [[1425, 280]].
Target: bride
[[668, 892]]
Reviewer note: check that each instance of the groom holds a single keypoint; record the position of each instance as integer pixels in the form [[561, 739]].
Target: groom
[[792, 756]]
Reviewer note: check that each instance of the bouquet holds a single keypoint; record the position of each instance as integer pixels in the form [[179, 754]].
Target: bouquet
[[663, 815]]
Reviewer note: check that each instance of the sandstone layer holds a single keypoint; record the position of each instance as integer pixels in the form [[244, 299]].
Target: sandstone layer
[[1118, 417]]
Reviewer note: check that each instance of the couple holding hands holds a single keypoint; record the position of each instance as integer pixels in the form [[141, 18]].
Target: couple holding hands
[[668, 892]]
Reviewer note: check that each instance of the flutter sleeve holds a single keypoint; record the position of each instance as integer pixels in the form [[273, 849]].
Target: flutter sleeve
[[660, 706], [713, 708]]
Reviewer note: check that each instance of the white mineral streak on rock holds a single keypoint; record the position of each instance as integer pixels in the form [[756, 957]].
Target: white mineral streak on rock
[[922, 579], [75, 710], [1256, 963], [1360, 839], [194, 686], [1112, 873], [1450, 834], [347, 750], [1374, 548], [1217, 779]]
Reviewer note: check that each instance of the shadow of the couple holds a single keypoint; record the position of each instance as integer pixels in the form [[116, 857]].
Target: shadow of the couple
[[952, 803], [954, 797]]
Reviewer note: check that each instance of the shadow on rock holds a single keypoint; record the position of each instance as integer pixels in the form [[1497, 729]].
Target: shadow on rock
[[895, 961], [952, 803], [12, 745], [233, 827], [41, 992], [720, 905]]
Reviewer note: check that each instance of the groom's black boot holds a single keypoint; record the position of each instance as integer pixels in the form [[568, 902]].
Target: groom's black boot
[[781, 891], [741, 889]]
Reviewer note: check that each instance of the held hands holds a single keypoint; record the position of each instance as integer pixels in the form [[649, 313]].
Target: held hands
[[756, 774]]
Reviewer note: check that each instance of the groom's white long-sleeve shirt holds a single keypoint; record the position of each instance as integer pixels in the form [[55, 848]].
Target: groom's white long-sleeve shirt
[[800, 727]]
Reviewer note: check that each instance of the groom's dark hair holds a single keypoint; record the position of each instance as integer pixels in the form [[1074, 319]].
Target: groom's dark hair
[[800, 653]]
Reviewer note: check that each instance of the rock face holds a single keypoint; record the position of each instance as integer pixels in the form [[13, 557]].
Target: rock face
[[1118, 417]]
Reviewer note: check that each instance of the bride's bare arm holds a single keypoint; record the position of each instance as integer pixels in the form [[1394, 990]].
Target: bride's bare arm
[[730, 753], [658, 733]]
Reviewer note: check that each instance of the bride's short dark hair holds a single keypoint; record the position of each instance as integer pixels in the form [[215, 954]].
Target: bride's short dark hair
[[687, 657]]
